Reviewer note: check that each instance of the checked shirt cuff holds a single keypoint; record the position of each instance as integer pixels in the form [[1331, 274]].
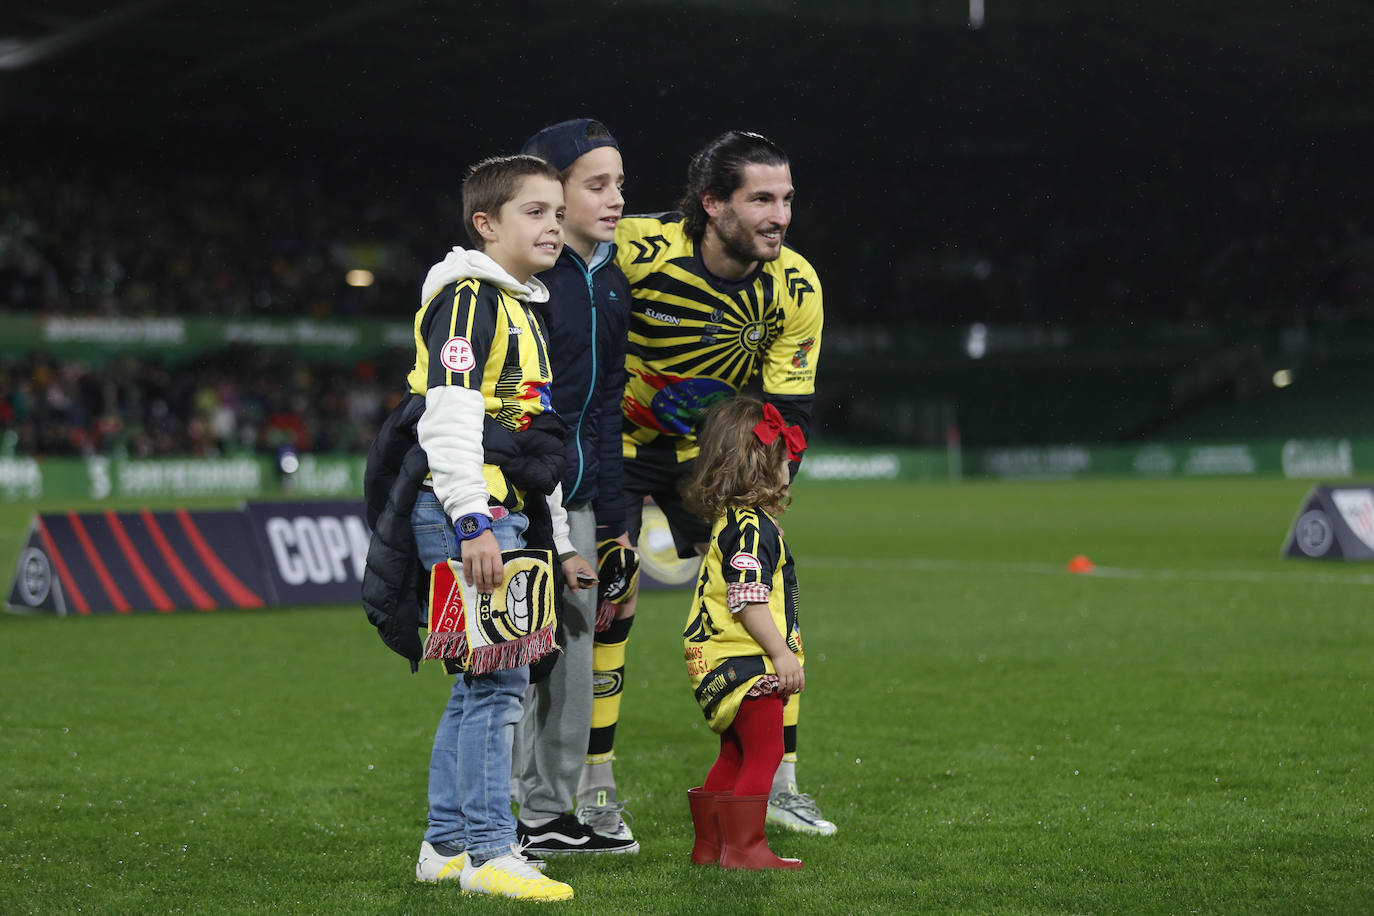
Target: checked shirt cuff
[[741, 593]]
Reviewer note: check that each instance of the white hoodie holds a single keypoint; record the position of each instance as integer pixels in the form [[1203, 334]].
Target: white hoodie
[[450, 431]]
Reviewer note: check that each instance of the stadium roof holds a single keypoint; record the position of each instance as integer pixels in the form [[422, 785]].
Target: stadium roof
[[1039, 75]]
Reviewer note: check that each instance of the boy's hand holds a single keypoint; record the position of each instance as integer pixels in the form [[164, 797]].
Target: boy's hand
[[791, 677], [579, 573], [482, 564]]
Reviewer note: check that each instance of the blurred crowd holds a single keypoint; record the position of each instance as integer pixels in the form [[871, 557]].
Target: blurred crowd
[[1281, 241], [224, 404], [127, 241], [1004, 240]]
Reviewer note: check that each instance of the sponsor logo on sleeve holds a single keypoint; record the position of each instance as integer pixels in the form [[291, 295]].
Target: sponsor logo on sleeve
[[457, 355], [746, 562]]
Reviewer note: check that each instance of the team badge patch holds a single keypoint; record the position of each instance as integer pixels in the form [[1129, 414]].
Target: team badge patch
[[457, 355], [745, 561], [751, 336]]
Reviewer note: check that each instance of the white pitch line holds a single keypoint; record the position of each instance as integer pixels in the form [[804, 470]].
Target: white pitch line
[[918, 564]]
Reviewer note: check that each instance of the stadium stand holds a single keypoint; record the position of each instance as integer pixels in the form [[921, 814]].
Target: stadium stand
[[1149, 248]]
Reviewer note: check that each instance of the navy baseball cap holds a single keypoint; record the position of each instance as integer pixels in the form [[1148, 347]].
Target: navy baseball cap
[[562, 144]]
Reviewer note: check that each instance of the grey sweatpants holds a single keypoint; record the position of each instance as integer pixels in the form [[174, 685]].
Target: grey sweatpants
[[551, 739]]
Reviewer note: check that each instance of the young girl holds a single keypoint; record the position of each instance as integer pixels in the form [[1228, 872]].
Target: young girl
[[742, 645]]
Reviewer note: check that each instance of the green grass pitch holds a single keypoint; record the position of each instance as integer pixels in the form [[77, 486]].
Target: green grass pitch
[[1187, 730]]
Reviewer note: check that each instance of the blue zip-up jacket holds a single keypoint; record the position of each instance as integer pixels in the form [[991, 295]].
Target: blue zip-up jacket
[[589, 324]]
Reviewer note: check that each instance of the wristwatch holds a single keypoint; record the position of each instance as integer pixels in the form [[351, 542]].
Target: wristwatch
[[469, 526]]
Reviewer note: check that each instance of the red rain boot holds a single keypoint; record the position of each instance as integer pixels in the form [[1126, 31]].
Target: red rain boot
[[742, 843], [706, 849]]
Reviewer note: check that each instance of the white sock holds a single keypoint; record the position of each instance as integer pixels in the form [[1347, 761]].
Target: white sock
[[785, 779]]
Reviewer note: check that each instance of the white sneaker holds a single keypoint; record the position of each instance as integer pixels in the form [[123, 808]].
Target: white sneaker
[[599, 810], [435, 866], [511, 875], [528, 855], [798, 811]]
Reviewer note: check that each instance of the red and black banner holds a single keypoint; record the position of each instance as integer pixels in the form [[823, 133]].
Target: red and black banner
[[266, 554]]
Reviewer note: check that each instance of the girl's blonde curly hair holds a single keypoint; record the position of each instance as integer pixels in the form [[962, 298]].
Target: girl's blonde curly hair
[[734, 468]]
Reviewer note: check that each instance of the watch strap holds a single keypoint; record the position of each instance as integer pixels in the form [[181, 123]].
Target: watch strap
[[471, 525]]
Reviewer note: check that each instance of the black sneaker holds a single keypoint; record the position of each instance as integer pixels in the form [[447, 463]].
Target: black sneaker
[[566, 834]]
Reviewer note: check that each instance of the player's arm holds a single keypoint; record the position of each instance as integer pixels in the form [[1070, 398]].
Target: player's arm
[[789, 367], [757, 618], [750, 552]]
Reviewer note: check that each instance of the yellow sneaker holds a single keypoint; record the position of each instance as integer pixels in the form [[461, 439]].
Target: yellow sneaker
[[511, 875], [441, 864]]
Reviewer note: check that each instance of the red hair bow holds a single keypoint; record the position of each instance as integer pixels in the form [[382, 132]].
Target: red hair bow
[[772, 426]]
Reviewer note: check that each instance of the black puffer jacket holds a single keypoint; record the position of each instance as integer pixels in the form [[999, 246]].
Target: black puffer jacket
[[395, 585]]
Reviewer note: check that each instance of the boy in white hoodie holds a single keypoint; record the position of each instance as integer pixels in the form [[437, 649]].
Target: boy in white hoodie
[[482, 359]]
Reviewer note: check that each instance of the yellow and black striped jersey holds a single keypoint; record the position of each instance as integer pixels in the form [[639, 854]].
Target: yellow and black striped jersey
[[476, 335], [723, 660], [696, 338]]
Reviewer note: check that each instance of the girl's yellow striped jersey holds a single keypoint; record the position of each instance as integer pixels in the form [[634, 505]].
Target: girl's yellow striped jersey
[[723, 660]]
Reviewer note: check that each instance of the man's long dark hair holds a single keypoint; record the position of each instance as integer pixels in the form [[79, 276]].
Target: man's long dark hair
[[718, 170]]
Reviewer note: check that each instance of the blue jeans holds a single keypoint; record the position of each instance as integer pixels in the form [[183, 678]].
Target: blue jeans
[[469, 768]]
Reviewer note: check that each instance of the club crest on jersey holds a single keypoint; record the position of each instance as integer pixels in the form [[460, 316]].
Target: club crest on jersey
[[746, 562], [751, 336], [457, 355]]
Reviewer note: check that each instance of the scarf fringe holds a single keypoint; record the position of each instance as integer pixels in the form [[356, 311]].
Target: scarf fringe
[[446, 645], [457, 636], [514, 653]]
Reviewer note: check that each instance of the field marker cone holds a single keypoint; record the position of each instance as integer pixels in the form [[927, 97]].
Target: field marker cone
[[1080, 564]]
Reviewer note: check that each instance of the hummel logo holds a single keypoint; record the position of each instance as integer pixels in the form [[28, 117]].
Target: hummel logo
[[648, 249], [797, 285]]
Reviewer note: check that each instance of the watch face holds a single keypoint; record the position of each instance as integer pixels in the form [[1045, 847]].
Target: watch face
[[468, 525]]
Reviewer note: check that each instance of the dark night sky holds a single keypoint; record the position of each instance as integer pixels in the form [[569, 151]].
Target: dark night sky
[[894, 120], [425, 82]]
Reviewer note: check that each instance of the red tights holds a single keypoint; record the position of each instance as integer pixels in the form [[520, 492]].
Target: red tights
[[750, 749]]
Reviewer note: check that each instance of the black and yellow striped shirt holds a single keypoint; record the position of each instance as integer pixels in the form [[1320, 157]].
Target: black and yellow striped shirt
[[476, 335], [723, 660], [696, 338]]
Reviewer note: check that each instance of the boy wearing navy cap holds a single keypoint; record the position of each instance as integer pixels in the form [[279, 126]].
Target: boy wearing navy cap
[[588, 316]]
